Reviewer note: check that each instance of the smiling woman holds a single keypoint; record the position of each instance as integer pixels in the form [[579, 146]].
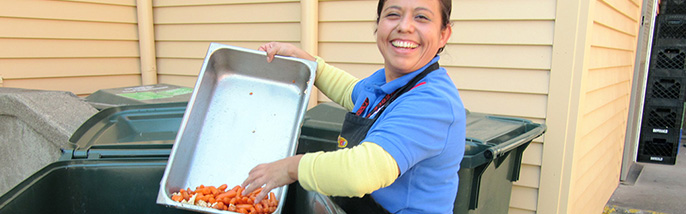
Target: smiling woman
[[409, 35], [402, 141]]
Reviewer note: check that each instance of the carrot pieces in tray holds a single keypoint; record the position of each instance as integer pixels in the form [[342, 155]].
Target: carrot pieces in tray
[[230, 200]]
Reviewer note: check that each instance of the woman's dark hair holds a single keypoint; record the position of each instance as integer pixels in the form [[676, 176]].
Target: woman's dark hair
[[446, 9]]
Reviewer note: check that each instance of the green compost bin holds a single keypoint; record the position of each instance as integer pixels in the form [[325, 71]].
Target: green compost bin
[[118, 158], [492, 160]]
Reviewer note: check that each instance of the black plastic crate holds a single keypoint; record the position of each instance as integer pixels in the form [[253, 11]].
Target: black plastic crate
[[672, 7], [665, 85], [668, 57], [671, 28], [658, 148], [663, 116]]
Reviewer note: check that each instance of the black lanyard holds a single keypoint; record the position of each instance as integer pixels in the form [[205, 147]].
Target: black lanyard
[[379, 108]]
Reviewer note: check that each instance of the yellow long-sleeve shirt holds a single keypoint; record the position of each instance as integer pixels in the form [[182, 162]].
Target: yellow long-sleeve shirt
[[346, 172]]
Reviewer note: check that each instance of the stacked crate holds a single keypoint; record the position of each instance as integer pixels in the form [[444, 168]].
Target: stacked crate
[[666, 87]]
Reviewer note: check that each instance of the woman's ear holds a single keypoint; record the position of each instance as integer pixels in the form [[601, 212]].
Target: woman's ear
[[445, 35]]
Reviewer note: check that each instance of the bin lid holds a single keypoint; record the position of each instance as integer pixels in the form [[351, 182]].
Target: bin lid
[[136, 95], [146, 130], [324, 120]]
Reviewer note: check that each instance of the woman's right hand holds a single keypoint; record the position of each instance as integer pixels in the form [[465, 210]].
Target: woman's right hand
[[284, 49]]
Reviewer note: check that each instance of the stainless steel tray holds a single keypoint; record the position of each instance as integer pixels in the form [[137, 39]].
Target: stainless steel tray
[[243, 112]]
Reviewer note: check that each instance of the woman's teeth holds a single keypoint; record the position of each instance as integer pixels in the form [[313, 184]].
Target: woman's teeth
[[402, 44]]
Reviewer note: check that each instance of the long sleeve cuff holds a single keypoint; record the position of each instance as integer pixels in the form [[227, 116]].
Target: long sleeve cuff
[[348, 172]]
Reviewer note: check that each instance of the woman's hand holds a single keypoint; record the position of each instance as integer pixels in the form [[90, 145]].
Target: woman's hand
[[272, 175], [284, 49]]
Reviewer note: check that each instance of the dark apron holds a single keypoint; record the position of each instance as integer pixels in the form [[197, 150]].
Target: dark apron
[[354, 130]]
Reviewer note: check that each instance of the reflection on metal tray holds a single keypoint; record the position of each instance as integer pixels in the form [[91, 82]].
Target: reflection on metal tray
[[243, 112]]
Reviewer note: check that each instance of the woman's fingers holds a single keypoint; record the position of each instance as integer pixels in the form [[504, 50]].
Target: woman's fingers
[[271, 48], [271, 175], [284, 49]]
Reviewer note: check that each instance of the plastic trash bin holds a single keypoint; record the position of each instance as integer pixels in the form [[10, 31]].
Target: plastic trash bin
[[138, 95], [116, 167], [492, 160]]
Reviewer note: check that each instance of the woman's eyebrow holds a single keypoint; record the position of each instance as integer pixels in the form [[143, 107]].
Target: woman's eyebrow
[[392, 7], [395, 7], [424, 9]]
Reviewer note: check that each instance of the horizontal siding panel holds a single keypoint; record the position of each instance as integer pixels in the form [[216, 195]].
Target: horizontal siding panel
[[240, 13], [608, 58], [611, 117], [604, 36], [42, 68], [189, 50], [196, 50], [607, 16], [506, 104], [229, 32], [358, 70], [181, 67], [529, 176], [607, 140], [77, 11], [336, 11], [492, 32], [340, 52], [462, 10], [625, 7], [498, 56], [599, 178], [598, 118], [503, 10], [76, 85], [187, 81], [505, 80], [605, 77], [347, 32], [39, 48], [175, 3], [60, 29], [112, 2], [533, 154], [524, 198], [601, 98]]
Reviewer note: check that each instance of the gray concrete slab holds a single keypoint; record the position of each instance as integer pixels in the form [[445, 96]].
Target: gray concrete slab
[[657, 189], [34, 125]]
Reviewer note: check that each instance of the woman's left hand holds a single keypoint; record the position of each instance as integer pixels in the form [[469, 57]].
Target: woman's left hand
[[272, 175]]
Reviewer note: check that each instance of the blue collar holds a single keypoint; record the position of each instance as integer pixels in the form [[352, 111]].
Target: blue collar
[[378, 78]]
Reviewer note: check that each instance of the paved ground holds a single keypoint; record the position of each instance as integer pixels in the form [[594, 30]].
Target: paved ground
[[658, 189]]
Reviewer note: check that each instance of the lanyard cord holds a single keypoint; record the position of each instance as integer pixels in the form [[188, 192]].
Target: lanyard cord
[[407, 87]]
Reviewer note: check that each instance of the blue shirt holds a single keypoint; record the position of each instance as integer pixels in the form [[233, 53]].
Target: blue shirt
[[424, 131]]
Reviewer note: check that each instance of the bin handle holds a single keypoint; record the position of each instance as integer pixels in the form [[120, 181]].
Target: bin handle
[[500, 149]]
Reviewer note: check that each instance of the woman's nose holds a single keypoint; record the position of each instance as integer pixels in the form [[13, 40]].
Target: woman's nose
[[406, 25]]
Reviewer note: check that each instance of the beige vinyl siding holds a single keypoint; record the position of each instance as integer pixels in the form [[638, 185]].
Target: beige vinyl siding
[[77, 46], [346, 37], [605, 94], [498, 56], [184, 30]]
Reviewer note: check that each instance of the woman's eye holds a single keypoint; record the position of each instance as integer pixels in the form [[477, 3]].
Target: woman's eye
[[422, 17], [392, 15]]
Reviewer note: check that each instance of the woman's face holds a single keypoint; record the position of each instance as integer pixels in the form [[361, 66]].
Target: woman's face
[[409, 35]]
